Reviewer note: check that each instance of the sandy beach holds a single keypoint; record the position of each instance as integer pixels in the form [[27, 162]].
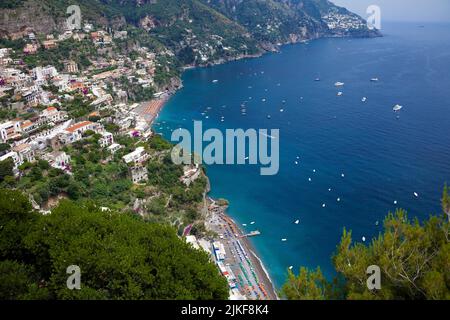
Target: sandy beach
[[149, 110], [252, 279]]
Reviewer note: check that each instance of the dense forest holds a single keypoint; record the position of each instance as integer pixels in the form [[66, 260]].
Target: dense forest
[[120, 255]]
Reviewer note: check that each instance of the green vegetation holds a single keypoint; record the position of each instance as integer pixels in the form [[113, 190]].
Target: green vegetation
[[77, 51], [6, 169], [120, 256], [78, 107], [11, 3], [44, 182], [414, 260], [136, 92], [13, 44], [104, 179]]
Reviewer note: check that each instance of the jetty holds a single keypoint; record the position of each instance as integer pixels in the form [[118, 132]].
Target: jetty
[[252, 234]]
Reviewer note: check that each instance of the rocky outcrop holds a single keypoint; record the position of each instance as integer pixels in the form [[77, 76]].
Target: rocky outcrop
[[30, 14]]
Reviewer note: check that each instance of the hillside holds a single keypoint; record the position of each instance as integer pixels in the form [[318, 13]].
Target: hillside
[[197, 31]]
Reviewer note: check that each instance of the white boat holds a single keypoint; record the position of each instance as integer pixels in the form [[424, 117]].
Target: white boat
[[253, 222], [416, 194], [364, 99], [397, 107], [284, 239], [364, 239], [340, 93], [374, 79], [215, 81], [297, 221], [339, 84]]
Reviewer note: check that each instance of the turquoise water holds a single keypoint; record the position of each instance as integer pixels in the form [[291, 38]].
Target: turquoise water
[[383, 158]]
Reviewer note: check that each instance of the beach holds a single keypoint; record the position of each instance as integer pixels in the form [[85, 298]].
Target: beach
[[251, 278], [149, 110]]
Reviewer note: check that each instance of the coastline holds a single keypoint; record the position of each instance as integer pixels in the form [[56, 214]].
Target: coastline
[[214, 207], [175, 85], [264, 274], [241, 257]]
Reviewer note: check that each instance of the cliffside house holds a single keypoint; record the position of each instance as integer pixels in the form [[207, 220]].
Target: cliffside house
[[75, 132], [58, 160], [24, 152], [10, 130], [114, 148], [106, 139], [136, 157]]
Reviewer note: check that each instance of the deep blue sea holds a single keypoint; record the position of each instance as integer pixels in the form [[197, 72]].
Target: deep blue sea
[[383, 158]]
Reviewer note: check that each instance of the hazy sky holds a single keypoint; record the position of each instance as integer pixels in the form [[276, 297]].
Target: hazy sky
[[402, 10]]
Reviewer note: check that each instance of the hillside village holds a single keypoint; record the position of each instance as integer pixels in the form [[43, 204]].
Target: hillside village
[[45, 110]]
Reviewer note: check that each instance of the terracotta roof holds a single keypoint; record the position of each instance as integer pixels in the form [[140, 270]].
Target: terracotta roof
[[51, 109], [26, 123], [78, 125], [21, 147]]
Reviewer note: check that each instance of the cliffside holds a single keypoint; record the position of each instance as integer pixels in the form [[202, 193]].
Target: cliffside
[[199, 32]]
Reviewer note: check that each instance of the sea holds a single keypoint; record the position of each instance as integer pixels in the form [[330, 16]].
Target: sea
[[344, 163]]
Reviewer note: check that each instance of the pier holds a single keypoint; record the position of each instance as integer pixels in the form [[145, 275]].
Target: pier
[[252, 234]]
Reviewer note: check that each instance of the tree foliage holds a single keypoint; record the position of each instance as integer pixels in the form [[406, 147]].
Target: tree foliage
[[6, 169], [120, 256]]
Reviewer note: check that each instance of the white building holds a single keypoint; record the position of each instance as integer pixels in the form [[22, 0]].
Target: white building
[[28, 126], [75, 132], [137, 156], [31, 95], [24, 152], [106, 139], [9, 130], [52, 114], [58, 160], [41, 74], [114, 148]]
